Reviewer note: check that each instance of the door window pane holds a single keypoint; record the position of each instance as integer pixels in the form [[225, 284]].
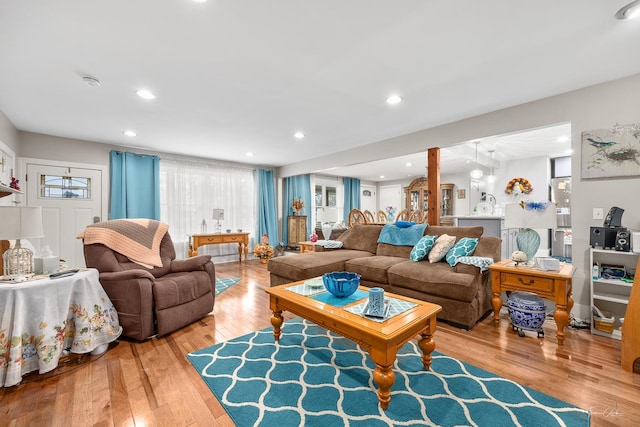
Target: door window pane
[[65, 187]]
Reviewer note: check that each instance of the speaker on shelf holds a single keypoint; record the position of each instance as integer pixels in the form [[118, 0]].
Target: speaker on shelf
[[623, 240], [603, 237], [614, 217]]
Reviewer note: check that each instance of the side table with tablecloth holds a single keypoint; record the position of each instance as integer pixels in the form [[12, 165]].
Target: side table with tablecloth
[[42, 319]]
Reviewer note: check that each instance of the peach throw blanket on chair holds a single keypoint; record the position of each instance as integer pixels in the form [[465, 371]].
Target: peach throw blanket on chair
[[136, 238]]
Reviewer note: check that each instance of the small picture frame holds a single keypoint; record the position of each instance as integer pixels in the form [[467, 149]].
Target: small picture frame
[[462, 194]]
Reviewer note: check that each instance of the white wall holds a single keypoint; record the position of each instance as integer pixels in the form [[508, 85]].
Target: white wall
[[8, 133]]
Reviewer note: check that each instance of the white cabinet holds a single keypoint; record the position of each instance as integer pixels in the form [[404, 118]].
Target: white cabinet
[[509, 245], [608, 293]]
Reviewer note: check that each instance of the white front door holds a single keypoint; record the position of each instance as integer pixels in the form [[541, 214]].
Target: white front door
[[71, 198]]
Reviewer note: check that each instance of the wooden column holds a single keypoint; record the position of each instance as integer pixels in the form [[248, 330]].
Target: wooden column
[[435, 196]]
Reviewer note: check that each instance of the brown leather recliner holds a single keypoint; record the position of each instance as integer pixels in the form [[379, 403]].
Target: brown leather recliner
[[159, 300]]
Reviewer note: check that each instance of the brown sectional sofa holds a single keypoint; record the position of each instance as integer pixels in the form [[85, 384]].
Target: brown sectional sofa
[[463, 291]]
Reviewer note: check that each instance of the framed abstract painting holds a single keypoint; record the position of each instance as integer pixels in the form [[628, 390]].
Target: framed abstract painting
[[613, 152]]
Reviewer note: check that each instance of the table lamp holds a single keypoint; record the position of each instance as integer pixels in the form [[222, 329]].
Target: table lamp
[[19, 223], [218, 214], [526, 216]]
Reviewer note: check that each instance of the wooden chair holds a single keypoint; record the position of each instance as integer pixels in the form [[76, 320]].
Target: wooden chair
[[416, 216], [403, 215], [381, 216], [356, 216], [368, 216]]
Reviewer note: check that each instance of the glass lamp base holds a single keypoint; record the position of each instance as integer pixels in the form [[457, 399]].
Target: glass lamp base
[[528, 241]]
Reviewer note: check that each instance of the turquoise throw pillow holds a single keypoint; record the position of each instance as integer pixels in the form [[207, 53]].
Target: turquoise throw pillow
[[404, 224], [463, 247], [422, 248]]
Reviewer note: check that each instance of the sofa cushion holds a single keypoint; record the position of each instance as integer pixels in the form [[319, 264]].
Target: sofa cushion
[[404, 224], [441, 247], [314, 264], [438, 279], [463, 247], [373, 269], [175, 289], [422, 248], [457, 232], [361, 238], [385, 249]]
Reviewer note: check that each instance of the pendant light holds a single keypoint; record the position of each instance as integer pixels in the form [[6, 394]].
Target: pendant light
[[630, 11], [477, 172], [491, 177]]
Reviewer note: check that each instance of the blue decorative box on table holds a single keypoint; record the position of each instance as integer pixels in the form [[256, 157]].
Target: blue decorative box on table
[[527, 311]]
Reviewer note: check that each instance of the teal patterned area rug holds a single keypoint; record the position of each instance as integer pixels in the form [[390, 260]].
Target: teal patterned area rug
[[224, 284], [314, 377]]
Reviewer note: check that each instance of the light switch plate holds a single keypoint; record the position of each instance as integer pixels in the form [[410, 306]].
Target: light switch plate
[[598, 213]]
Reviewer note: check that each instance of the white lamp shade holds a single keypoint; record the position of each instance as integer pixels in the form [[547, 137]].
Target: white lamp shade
[[218, 214], [515, 216], [20, 222]]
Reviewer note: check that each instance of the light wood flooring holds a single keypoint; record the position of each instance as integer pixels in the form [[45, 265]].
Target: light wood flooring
[[152, 383]]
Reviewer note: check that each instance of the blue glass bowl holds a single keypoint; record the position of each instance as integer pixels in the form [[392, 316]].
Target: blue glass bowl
[[341, 283]]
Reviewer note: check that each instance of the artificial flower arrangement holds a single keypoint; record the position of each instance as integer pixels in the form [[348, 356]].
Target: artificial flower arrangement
[[297, 204], [535, 206], [390, 210], [521, 184], [263, 250]]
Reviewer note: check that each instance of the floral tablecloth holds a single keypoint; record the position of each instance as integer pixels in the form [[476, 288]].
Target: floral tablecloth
[[42, 319]]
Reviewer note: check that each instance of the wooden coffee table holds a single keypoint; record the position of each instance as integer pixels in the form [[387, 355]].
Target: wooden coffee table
[[380, 339]]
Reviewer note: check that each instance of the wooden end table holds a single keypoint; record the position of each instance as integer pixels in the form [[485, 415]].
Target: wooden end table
[[552, 285], [307, 246], [380, 339], [241, 238]]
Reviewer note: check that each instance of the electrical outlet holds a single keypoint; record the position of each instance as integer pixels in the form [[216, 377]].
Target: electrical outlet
[[598, 213]]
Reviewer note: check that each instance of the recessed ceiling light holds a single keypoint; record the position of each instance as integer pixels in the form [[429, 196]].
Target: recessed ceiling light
[[129, 133], [381, 176], [394, 99], [630, 11], [91, 81], [563, 138], [407, 164], [249, 154], [298, 135], [200, 1], [146, 94]]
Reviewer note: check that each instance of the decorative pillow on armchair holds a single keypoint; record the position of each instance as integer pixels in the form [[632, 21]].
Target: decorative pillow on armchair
[[422, 248], [464, 247], [441, 247]]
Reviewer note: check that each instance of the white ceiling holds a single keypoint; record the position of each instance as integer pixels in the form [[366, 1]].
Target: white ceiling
[[233, 77]]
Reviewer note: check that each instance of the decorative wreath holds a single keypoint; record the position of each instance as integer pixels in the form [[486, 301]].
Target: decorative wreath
[[523, 184]]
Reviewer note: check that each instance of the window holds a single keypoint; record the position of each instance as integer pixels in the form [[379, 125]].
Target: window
[[189, 193], [65, 187]]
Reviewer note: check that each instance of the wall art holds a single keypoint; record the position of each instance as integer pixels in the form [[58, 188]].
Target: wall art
[[613, 152]]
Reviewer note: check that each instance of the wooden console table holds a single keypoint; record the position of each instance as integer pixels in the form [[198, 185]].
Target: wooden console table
[[241, 238], [552, 285]]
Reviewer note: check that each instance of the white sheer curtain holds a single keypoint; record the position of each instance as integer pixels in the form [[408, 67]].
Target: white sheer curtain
[[189, 191]]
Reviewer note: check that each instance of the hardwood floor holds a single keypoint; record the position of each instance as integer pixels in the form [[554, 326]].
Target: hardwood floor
[[152, 383]]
